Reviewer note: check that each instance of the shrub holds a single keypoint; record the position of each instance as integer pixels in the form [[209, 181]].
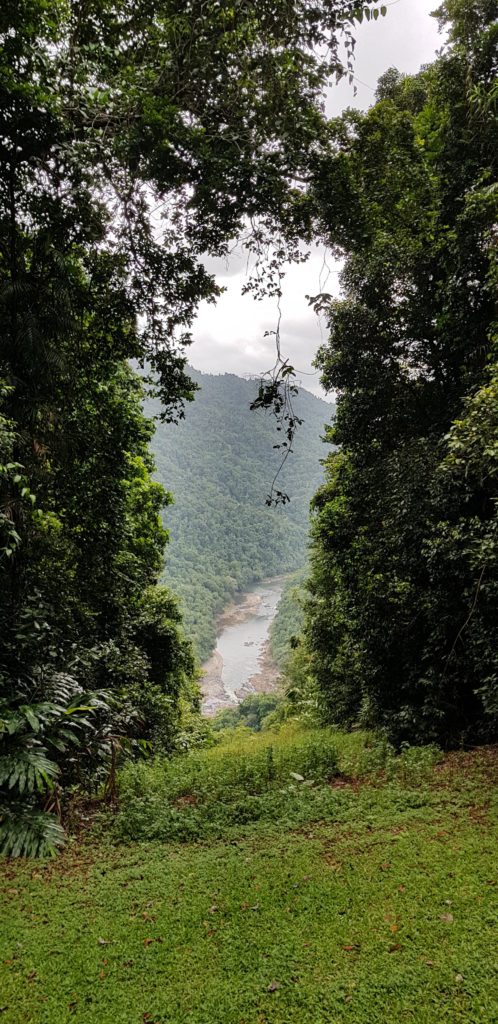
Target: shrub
[[250, 776]]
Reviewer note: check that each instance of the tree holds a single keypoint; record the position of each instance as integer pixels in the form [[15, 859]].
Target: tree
[[137, 136], [403, 606]]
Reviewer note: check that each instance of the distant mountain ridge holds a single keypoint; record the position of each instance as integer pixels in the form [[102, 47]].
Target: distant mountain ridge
[[219, 463]]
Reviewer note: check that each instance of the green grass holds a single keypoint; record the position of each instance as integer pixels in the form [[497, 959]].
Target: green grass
[[253, 779], [385, 912], [247, 778]]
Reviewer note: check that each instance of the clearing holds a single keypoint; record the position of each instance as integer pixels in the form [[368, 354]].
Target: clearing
[[364, 901]]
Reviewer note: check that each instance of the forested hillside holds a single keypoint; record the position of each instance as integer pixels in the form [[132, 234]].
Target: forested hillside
[[219, 463], [288, 622]]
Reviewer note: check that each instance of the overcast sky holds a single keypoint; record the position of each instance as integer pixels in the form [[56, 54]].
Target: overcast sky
[[229, 337]]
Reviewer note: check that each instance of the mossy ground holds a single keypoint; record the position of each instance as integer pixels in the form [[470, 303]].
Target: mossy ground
[[385, 912]]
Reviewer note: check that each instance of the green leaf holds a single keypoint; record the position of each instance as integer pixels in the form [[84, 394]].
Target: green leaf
[[32, 719]]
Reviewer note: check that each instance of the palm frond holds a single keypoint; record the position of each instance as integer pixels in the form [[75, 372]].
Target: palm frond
[[27, 770], [29, 832]]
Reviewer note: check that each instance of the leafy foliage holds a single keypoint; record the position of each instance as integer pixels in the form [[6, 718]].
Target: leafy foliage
[[256, 712], [247, 777], [136, 139], [403, 596], [83, 625], [38, 740], [288, 622]]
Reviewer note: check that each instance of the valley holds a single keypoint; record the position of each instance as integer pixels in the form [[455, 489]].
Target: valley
[[219, 463], [242, 662]]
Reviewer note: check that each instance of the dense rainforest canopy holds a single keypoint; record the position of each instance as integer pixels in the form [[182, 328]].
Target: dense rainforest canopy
[[402, 621], [135, 138]]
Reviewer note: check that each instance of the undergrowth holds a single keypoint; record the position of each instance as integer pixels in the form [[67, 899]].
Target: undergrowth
[[289, 777]]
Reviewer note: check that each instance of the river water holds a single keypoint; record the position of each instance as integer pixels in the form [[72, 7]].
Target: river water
[[241, 663]]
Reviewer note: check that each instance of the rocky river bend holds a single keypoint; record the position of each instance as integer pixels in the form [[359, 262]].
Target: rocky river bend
[[241, 662]]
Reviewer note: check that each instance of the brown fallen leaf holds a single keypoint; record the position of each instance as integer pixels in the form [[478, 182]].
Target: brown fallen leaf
[[401, 888], [429, 963], [273, 986], [351, 949], [102, 975], [394, 928], [147, 942], [458, 977], [447, 918], [394, 947]]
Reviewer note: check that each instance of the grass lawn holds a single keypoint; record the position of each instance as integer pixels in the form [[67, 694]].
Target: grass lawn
[[387, 911]]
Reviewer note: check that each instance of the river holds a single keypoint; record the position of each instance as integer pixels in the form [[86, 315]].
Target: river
[[242, 663]]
